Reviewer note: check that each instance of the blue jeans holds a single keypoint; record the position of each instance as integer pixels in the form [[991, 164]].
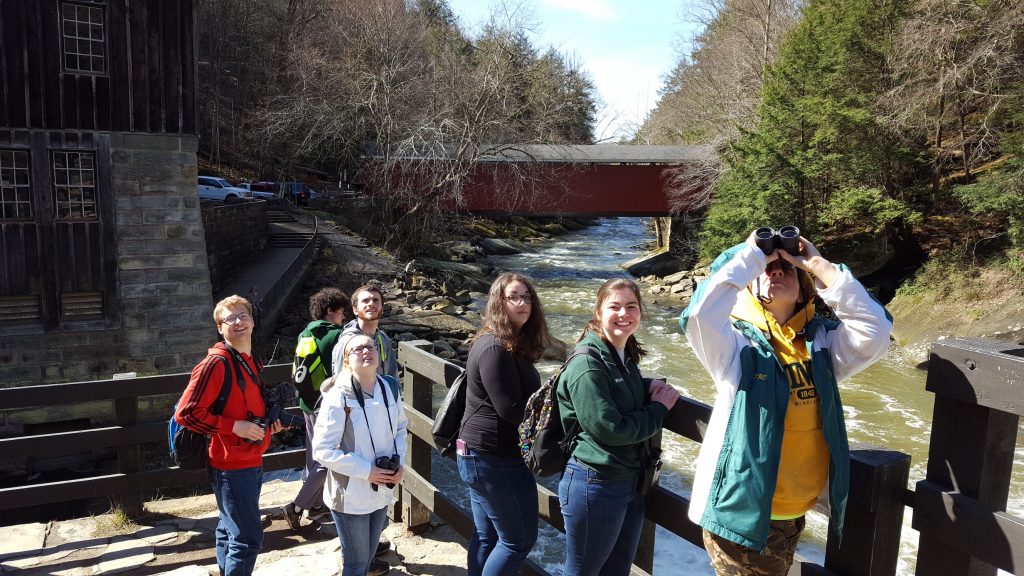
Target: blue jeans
[[239, 533], [503, 493], [359, 534], [603, 520]]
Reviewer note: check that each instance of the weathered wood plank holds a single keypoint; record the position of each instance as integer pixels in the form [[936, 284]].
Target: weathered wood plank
[[188, 68], [44, 395], [139, 59], [69, 102], [51, 64], [171, 64], [14, 51], [64, 443], [86, 101], [36, 68], [969, 526], [426, 364], [155, 92], [982, 372], [120, 81]]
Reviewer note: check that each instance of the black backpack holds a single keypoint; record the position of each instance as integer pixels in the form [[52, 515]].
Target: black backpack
[[189, 449], [448, 421], [545, 446]]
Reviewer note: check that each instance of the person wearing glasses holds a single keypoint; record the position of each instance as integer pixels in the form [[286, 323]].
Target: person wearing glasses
[[360, 437], [237, 437], [500, 379], [776, 442], [368, 308]]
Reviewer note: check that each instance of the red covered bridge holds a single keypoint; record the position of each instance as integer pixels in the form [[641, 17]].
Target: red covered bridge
[[582, 180]]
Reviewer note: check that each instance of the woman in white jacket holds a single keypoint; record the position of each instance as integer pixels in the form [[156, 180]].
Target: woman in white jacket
[[360, 437]]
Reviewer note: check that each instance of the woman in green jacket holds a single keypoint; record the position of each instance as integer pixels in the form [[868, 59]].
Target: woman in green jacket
[[617, 411]]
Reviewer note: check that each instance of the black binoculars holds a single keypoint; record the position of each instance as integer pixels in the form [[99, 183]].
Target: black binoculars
[[392, 463], [786, 238]]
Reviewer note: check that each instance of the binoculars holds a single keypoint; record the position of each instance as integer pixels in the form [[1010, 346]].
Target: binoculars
[[392, 463], [786, 238]]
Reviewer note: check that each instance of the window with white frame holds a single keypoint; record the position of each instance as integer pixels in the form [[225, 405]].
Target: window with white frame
[[84, 38], [15, 186], [74, 185]]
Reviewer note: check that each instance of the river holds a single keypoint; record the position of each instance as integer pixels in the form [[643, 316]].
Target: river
[[885, 406]]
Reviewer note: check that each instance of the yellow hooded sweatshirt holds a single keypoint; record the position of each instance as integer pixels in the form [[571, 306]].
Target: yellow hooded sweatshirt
[[803, 465]]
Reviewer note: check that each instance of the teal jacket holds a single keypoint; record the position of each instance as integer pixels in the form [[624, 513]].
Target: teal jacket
[[738, 464], [614, 411]]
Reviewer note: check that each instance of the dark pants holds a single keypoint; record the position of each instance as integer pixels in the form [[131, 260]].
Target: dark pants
[[603, 521], [503, 493], [731, 559], [239, 533], [311, 494]]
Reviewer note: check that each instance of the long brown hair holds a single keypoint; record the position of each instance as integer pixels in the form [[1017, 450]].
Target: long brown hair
[[530, 340], [633, 349]]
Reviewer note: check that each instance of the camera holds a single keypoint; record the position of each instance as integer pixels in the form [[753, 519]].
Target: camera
[[786, 238], [392, 463], [275, 412]]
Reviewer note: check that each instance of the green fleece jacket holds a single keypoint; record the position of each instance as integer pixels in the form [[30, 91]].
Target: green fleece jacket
[[614, 411]]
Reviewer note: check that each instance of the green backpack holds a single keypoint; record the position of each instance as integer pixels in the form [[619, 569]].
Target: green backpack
[[310, 368]]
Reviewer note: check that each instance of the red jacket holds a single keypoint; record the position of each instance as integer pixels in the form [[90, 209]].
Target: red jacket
[[227, 451]]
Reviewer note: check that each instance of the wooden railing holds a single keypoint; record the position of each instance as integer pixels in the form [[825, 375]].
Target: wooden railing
[[959, 508], [878, 484], [129, 432]]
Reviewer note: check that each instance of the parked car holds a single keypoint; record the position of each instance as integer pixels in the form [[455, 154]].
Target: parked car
[[260, 190], [213, 188], [297, 192]]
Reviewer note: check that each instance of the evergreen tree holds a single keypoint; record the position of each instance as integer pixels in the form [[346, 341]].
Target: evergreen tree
[[817, 157]]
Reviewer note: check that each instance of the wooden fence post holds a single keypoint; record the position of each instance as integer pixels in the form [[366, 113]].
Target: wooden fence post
[[129, 456], [874, 515], [419, 393], [974, 432]]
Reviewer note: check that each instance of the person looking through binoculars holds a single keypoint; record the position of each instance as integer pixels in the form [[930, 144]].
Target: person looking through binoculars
[[360, 438], [776, 441]]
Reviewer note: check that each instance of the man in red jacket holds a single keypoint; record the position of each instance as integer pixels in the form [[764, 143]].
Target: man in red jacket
[[237, 441]]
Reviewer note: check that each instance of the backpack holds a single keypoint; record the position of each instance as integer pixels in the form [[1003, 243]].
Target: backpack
[[544, 445], [448, 421], [188, 449], [308, 368]]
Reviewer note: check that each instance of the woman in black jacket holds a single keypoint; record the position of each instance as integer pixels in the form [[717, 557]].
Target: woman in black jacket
[[501, 378]]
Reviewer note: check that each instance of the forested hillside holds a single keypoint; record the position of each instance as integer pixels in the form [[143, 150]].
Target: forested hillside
[[891, 129], [291, 87]]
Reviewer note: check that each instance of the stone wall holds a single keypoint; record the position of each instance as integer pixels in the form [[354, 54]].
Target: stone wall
[[163, 322], [235, 234]]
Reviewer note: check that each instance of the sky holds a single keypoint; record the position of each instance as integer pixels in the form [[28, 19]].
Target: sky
[[627, 46]]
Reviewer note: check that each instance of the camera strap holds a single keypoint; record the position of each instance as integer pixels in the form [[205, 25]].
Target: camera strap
[[357, 390]]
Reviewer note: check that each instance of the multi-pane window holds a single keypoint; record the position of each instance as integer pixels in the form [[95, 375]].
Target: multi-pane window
[[84, 39], [15, 189], [74, 185]]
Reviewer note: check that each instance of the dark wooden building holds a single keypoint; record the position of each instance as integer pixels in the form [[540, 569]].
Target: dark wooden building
[[102, 253]]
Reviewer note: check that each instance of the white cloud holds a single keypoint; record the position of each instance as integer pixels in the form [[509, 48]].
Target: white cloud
[[596, 9]]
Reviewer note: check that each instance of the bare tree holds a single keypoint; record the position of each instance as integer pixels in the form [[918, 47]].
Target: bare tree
[[954, 63]]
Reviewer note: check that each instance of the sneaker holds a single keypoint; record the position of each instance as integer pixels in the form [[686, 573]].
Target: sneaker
[[382, 547], [378, 568], [291, 516], [326, 530], [321, 514]]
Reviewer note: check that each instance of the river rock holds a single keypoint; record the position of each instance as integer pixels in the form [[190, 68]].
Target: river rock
[[659, 263], [500, 246], [556, 350], [676, 278]]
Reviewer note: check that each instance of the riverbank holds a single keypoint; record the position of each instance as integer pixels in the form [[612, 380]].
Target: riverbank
[[428, 298]]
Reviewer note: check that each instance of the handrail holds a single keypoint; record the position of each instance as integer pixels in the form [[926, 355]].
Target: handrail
[[127, 436], [284, 283]]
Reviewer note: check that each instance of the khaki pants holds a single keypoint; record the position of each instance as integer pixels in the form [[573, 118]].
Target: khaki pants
[[731, 559]]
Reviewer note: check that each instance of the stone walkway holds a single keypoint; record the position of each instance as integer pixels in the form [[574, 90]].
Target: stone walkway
[[175, 537]]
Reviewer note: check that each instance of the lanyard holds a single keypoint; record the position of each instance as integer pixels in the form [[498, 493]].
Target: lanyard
[[357, 390]]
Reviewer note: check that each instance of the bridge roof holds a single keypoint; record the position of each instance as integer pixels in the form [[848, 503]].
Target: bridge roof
[[578, 153]]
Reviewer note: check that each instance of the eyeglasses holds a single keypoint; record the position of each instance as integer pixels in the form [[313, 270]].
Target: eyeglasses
[[779, 264], [365, 348], [519, 299], [236, 318]]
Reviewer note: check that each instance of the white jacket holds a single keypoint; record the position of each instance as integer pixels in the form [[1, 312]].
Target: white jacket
[[342, 444]]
